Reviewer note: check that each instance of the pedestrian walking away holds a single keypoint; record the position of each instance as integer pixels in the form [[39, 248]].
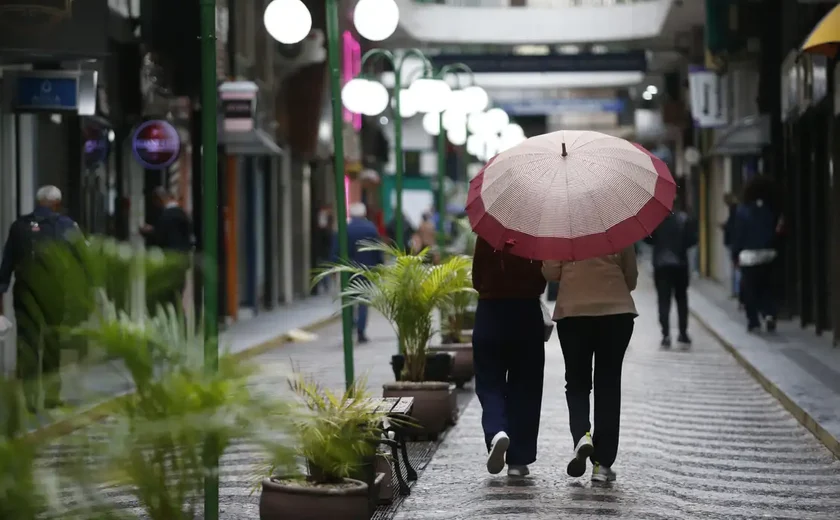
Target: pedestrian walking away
[[754, 248], [594, 314], [38, 315], [360, 230], [509, 356], [671, 242]]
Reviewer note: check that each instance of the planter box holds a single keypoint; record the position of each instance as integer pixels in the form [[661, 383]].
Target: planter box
[[438, 366], [283, 499], [432, 404]]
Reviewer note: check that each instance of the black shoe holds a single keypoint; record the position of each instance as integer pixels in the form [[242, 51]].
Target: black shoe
[[666, 342], [362, 339], [684, 339], [771, 324]]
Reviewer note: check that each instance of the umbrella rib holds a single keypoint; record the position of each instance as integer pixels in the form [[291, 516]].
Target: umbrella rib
[[595, 203], [502, 193]]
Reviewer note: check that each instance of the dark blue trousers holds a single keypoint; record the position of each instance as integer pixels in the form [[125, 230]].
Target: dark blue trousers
[[509, 357]]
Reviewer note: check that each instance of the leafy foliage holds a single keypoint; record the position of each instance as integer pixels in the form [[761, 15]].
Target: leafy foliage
[[406, 291]]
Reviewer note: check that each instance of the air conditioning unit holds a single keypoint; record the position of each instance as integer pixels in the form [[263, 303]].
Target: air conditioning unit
[[307, 52]]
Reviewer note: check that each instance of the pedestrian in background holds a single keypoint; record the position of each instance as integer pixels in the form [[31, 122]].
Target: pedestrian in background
[[731, 202], [755, 236], [595, 315], [509, 356], [360, 230], [671, 242], [38, 341], [172, 232]]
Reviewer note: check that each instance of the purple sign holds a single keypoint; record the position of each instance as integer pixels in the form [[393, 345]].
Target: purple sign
[[156, 144]]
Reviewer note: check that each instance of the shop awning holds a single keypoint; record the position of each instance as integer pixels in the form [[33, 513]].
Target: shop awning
[[252, 142], [825, 38], [747, 136]]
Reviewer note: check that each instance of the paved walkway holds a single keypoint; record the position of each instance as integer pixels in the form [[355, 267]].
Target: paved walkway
[[797, 366], [700, 440]]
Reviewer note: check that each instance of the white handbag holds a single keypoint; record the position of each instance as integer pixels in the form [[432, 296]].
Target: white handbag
[[548, 321]]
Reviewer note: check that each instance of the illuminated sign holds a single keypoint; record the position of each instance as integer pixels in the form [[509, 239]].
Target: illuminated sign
[[156, 144]]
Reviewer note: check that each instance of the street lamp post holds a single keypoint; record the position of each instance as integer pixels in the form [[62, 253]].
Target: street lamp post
[[358, 105]]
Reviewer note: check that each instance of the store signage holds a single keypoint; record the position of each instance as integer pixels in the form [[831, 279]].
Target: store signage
[[41, 92], [239, 105], [156, 144], [95, 147], [709, 98], [562, 106]]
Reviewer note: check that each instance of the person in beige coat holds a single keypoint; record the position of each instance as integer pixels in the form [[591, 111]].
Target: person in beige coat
[[594, 315]]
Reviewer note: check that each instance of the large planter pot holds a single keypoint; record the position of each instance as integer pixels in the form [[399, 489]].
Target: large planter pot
[[287, 499], [462, 361], [432, 406], [438, 366]]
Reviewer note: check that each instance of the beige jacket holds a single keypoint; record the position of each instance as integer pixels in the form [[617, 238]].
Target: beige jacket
[[595, 287]]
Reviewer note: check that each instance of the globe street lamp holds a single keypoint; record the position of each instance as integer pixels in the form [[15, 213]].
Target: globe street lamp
[[376, 20], [424, 95], [287, 21]]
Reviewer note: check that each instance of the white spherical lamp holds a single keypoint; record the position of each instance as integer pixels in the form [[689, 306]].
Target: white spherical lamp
[[454, 119], [376, 20], [478, 124], [475, 145], [408, 107], [476, 99], [431, 95], [496, 119], [376, 99], [512, 132], [431, 123], [457, 136], [287, 21], [354, 94], [458, 102]]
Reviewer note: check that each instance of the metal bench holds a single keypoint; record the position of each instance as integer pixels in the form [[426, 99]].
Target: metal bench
[[398, 409]]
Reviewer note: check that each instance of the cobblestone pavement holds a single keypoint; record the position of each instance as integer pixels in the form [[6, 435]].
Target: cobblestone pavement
[[700, 440]]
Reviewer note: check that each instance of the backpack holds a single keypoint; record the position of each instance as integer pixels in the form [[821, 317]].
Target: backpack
[[35, 232]]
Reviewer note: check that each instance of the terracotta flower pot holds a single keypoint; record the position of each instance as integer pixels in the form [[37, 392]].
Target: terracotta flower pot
[[462, 361], [432, 407], [287, 499]]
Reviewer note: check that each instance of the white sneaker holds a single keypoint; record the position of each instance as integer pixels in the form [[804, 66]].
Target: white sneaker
[[498, 449], [518, 470], [583, 450], [602, 473]]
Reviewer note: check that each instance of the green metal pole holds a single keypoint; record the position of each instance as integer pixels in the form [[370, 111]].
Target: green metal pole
[[210, 203], [441, 173], [334, 53], [398, 151]]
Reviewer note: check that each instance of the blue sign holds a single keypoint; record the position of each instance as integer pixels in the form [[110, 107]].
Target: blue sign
[[632, 61], [47, 93], [560, 106]]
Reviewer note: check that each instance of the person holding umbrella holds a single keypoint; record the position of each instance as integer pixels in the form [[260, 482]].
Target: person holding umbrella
[[578, 202]]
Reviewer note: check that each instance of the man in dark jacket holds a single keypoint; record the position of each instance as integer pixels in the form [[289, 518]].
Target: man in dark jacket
[[671, 242], [171, 232], [38, 344], [360, 229]]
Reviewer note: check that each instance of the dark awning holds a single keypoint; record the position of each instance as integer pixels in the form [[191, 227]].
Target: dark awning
[[747, 136], [253, 142]]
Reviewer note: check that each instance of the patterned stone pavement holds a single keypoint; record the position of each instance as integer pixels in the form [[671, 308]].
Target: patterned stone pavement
[[700, 440]]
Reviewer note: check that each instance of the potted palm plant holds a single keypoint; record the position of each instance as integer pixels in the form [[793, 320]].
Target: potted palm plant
[[337, 437], [454, 339], [407, 291]]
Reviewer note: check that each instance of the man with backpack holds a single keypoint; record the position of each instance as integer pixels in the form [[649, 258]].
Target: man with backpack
[[38, 346]]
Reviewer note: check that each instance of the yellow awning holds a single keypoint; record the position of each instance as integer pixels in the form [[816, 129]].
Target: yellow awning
[[825, 38]]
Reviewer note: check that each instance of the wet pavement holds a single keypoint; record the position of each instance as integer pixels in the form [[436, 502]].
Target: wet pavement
[[700, 439]]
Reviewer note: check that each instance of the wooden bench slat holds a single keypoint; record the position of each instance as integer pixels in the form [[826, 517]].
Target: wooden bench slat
[[403, 406]]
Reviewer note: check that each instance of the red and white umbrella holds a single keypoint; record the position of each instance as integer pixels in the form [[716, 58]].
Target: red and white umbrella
[[570, 195]]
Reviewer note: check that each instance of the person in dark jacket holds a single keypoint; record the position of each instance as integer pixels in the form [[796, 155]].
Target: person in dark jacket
[[171, 232], [754, 251], [728, 230], [509, 356], [38, 345], [671, 242], [359, 230]]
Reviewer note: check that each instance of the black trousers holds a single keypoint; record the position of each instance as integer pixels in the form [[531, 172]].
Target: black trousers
[[672, 282], [509, 359], [38, 356], [757, 292], [604, 338]]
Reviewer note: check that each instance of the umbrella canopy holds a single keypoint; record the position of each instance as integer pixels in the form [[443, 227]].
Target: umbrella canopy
[[825, 38], [570, 196]]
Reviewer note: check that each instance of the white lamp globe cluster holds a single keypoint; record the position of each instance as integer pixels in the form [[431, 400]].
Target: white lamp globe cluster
[[289, 21], [363, 96]]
